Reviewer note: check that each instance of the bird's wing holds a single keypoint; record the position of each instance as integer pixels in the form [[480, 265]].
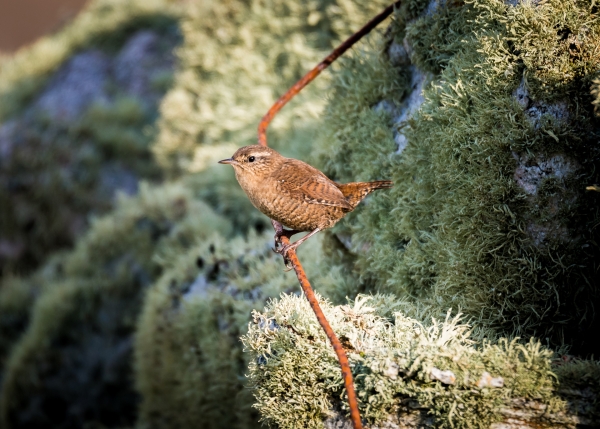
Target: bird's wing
[[302, 181]]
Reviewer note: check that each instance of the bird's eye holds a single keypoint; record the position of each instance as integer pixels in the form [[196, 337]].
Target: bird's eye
[[251, 159]]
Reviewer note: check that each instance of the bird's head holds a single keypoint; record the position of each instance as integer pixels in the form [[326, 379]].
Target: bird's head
[[254, 160]]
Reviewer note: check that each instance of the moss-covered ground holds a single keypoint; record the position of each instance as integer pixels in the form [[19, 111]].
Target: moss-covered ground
[[468, 225], [188, 353]]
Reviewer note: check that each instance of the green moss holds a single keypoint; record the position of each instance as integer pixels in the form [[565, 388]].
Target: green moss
[[460, 228], [76, 349], [157, 221], [17, 297], [237, 58], [59, 175], [188, 354], [78, 312], [579, 375], [436, 37], [218, 187], [296, 377]]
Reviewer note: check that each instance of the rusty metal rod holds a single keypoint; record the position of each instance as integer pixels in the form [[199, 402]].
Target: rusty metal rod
[[308, 77], [291, 255], [335, 342]]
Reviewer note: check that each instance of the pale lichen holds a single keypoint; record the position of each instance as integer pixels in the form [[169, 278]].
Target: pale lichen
[[396, 361]]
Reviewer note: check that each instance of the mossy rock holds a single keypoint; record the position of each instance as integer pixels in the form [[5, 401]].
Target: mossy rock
[[72, 366], [190, 369], [76, 120], [407, 374], [481, 113]]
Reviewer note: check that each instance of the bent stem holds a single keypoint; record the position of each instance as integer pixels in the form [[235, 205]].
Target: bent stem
[[291, 254], [311, 75], [335, 342]]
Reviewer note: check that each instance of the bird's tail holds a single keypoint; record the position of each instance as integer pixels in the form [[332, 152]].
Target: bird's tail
[[355, 192]]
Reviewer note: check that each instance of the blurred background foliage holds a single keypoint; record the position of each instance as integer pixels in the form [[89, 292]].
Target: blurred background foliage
[[77, 110]]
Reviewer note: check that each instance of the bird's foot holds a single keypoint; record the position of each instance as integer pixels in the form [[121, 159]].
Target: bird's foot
[[283, 251], [288, 266], [283, 233], [285, 248]]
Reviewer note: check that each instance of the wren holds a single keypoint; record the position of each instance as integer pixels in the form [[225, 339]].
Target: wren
[[295, 194]]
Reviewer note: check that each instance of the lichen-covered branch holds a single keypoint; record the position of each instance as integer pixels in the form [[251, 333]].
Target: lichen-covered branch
[[408, 374]]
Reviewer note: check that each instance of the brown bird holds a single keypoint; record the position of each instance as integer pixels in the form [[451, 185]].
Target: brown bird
[[293, 193]]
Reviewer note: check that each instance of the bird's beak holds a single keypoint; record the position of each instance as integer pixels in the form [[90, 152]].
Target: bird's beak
[[227, 161]]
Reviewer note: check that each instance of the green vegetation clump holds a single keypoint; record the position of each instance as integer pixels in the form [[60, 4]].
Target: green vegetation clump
[[216, 185], [237, 58], [59, 176], [395, 360], [16, 298], [73, 363], [489, 212], [76, 120], [190, 369]]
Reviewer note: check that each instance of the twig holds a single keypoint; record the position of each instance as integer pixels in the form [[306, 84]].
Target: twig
[[337, 346], [291, 255], [308, 77]]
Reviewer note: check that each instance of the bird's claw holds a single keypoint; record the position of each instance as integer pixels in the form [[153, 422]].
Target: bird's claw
[[284, 233], [283, 249]]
